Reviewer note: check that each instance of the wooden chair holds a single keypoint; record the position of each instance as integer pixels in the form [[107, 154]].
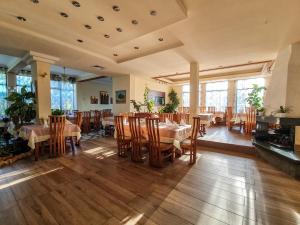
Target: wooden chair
[[202, 109], [211, 109], [177, 117], [164, 116], [250, 119], [78, 122], [86, 121], [138, 142], [157, 151], [57, 138], [191, 143], [97, 120], [230, 123], [123, 142]]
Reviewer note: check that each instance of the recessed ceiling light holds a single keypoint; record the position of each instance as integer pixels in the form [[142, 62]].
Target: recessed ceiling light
[[79, 40], [76, 4], [153, 13], [134, 22], [119, 29], [116, 8], [160, 39], [35, 1], [100, 18], [106, 36], [87, 26], [64, 14], [98, 67], [116, 54], [136, 47], [21, 18]]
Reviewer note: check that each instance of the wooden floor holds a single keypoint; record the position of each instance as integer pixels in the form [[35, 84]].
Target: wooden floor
[[97, 187]]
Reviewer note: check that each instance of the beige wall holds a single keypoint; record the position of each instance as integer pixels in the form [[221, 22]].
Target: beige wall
[[121, 83], [87, 89]]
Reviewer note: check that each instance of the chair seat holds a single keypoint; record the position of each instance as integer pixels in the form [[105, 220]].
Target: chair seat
[[165, 147], [187, 143]]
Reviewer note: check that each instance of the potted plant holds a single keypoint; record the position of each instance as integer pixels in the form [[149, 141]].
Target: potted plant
[[173, 103], [136, 105], [282, 111], [22, 107], [57, 112], [255, 99]]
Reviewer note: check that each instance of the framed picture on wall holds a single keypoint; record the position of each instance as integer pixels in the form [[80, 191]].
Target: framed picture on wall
[[104, 97], [121, 97], [94, 100]]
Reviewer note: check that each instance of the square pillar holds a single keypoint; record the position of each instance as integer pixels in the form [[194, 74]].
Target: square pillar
[[11, 82], [194, 89]]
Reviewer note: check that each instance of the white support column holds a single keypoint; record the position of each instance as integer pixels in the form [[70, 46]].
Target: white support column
[[40, 69], [203, 94], [11, 82], [231, 94], [194, 89]]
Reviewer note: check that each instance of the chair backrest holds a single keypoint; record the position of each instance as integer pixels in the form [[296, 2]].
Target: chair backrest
[[97, 119], [195, 129], [202, 109], [143, 115], [57, 126], [135, 128], [250, 119], [177, 117], [153, 133], [211, 109], [78, 119], [164, 116], [119, 125], [86, 121], [229, 115]]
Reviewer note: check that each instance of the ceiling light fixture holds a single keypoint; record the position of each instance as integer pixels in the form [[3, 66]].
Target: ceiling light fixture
[[160, 39], [136, 47], [98, 67], [35, 1], [64, 14], [134, 22], [116, 8], [87, 26], [106, 36], [119, 29], [21, 18], [153, 13], [79, 40], [100, 18], [76, 4]]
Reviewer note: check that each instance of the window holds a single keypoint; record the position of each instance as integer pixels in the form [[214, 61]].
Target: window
[[243, 88], [186, 95], [216, 95], [63, 95], [24, 81], [3, 93]]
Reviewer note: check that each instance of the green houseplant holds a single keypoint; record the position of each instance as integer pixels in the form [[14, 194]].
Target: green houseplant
[[254, 98], [282, 111], [22, 107], [57, 112], [173, 103]]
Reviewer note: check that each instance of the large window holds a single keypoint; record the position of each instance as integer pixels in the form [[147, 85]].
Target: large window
[[216, 95], [243, 88], [24, 81], [63, 95], [186, 95], [3, 93]]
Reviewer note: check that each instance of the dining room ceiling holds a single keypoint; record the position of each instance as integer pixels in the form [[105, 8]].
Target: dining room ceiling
[[148, 37]]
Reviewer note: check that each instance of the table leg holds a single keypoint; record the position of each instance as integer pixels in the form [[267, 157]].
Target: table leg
[[36, 150], [72, 146]]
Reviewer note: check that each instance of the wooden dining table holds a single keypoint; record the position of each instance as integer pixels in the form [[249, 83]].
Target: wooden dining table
[[38, 133], [169, 133]]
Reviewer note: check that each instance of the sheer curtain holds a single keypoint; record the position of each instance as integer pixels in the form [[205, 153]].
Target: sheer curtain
[[63, 95]]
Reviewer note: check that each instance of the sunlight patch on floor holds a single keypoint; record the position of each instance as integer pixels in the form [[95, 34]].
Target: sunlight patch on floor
[[11, 183]]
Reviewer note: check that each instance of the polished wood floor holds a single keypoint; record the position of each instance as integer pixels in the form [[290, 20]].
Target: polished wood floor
[[97, 187]]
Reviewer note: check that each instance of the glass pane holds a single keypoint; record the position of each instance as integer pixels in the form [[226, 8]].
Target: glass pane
[[54, 84], [55, 99], [67, 99], [186, 88], [3, 94], [244, 84], [217, 99], [186, 99]]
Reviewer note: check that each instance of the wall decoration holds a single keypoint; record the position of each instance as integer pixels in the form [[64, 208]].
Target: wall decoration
[[121, 97], [104, 97], [94, 100], [158, 97]]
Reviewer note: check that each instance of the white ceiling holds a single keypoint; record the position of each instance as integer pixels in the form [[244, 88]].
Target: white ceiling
[[212, 32]]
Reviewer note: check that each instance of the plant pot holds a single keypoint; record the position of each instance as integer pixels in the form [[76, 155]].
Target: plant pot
[[281, 115]]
